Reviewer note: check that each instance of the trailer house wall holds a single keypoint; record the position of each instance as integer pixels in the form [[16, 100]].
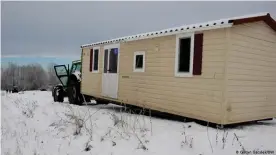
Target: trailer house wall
[[251, 73], [236, 81], [157, 87]]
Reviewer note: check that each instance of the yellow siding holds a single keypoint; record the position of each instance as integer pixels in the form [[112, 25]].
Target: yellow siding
[[251, 73], [198, 97], [91, 82]]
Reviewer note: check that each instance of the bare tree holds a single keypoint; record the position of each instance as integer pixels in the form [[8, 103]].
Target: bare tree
[[7, 76], [52, 78], [27, 77]]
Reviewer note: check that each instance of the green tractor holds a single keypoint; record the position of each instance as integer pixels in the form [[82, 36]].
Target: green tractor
[[70, 84]]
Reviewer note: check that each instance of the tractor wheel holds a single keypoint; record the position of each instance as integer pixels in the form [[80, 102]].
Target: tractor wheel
[[54, 95], [87, 98], [58, 95], [74, 95]]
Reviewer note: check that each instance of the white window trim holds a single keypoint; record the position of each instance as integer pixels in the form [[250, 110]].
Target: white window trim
[[134, 61], [96, 48], [111, 46], [190, 73]]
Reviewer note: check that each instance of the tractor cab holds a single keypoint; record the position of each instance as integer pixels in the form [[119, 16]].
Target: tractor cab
[[63, 73], [66, 76], [70, 80], [76, 66]]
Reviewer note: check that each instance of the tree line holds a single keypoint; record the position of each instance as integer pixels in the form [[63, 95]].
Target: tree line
[[28, 77]]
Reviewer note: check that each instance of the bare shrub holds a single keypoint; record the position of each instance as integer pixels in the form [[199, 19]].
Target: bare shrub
[[188, 140], [209, 138], [115, 119], [28, 109], [141, 127], [191, 143], [141, 145], [35, 153], [76, 120], [106, 134], [70, 118], [236, 137], [217, 136], [185, 136], [7, 153], [87, 146], [224, 138], [113, 143], [150, 122], [128, 124], [18, 149]]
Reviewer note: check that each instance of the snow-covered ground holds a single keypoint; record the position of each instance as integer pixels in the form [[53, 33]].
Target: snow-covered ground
[[33, 124]]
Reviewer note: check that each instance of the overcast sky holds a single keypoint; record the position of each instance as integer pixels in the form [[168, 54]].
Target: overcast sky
[[59, 28]]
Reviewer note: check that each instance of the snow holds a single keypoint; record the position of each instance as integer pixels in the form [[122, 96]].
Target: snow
[[33, 124]]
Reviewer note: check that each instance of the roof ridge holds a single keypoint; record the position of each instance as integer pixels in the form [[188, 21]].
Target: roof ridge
[[220, 23]]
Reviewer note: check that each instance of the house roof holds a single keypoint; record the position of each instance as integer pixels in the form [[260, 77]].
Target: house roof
[[221, 23]]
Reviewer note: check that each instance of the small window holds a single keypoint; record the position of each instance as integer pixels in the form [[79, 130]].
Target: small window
[[95, 60], [184, 55], [139, 61]]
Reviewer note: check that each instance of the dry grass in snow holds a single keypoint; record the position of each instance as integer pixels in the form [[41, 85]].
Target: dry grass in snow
[[33, 124]]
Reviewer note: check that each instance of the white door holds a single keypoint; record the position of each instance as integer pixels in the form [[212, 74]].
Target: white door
[[110, 72]]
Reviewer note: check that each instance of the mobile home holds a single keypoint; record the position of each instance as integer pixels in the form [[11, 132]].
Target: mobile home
[[221, 71]]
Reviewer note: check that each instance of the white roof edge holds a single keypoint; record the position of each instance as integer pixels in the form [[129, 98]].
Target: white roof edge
[[214, 24]]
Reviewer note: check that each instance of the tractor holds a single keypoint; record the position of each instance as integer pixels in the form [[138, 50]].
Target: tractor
[[70, 80]]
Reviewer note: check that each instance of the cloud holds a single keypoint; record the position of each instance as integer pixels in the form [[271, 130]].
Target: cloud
[[40, 56], [54, 28]]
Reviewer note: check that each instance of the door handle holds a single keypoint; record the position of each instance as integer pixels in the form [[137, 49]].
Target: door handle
[[109, 70]]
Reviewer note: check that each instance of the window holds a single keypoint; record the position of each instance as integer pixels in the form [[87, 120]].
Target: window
[[113, 60], [76, 67], [139, 61], [95, 60], [184, 55]]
